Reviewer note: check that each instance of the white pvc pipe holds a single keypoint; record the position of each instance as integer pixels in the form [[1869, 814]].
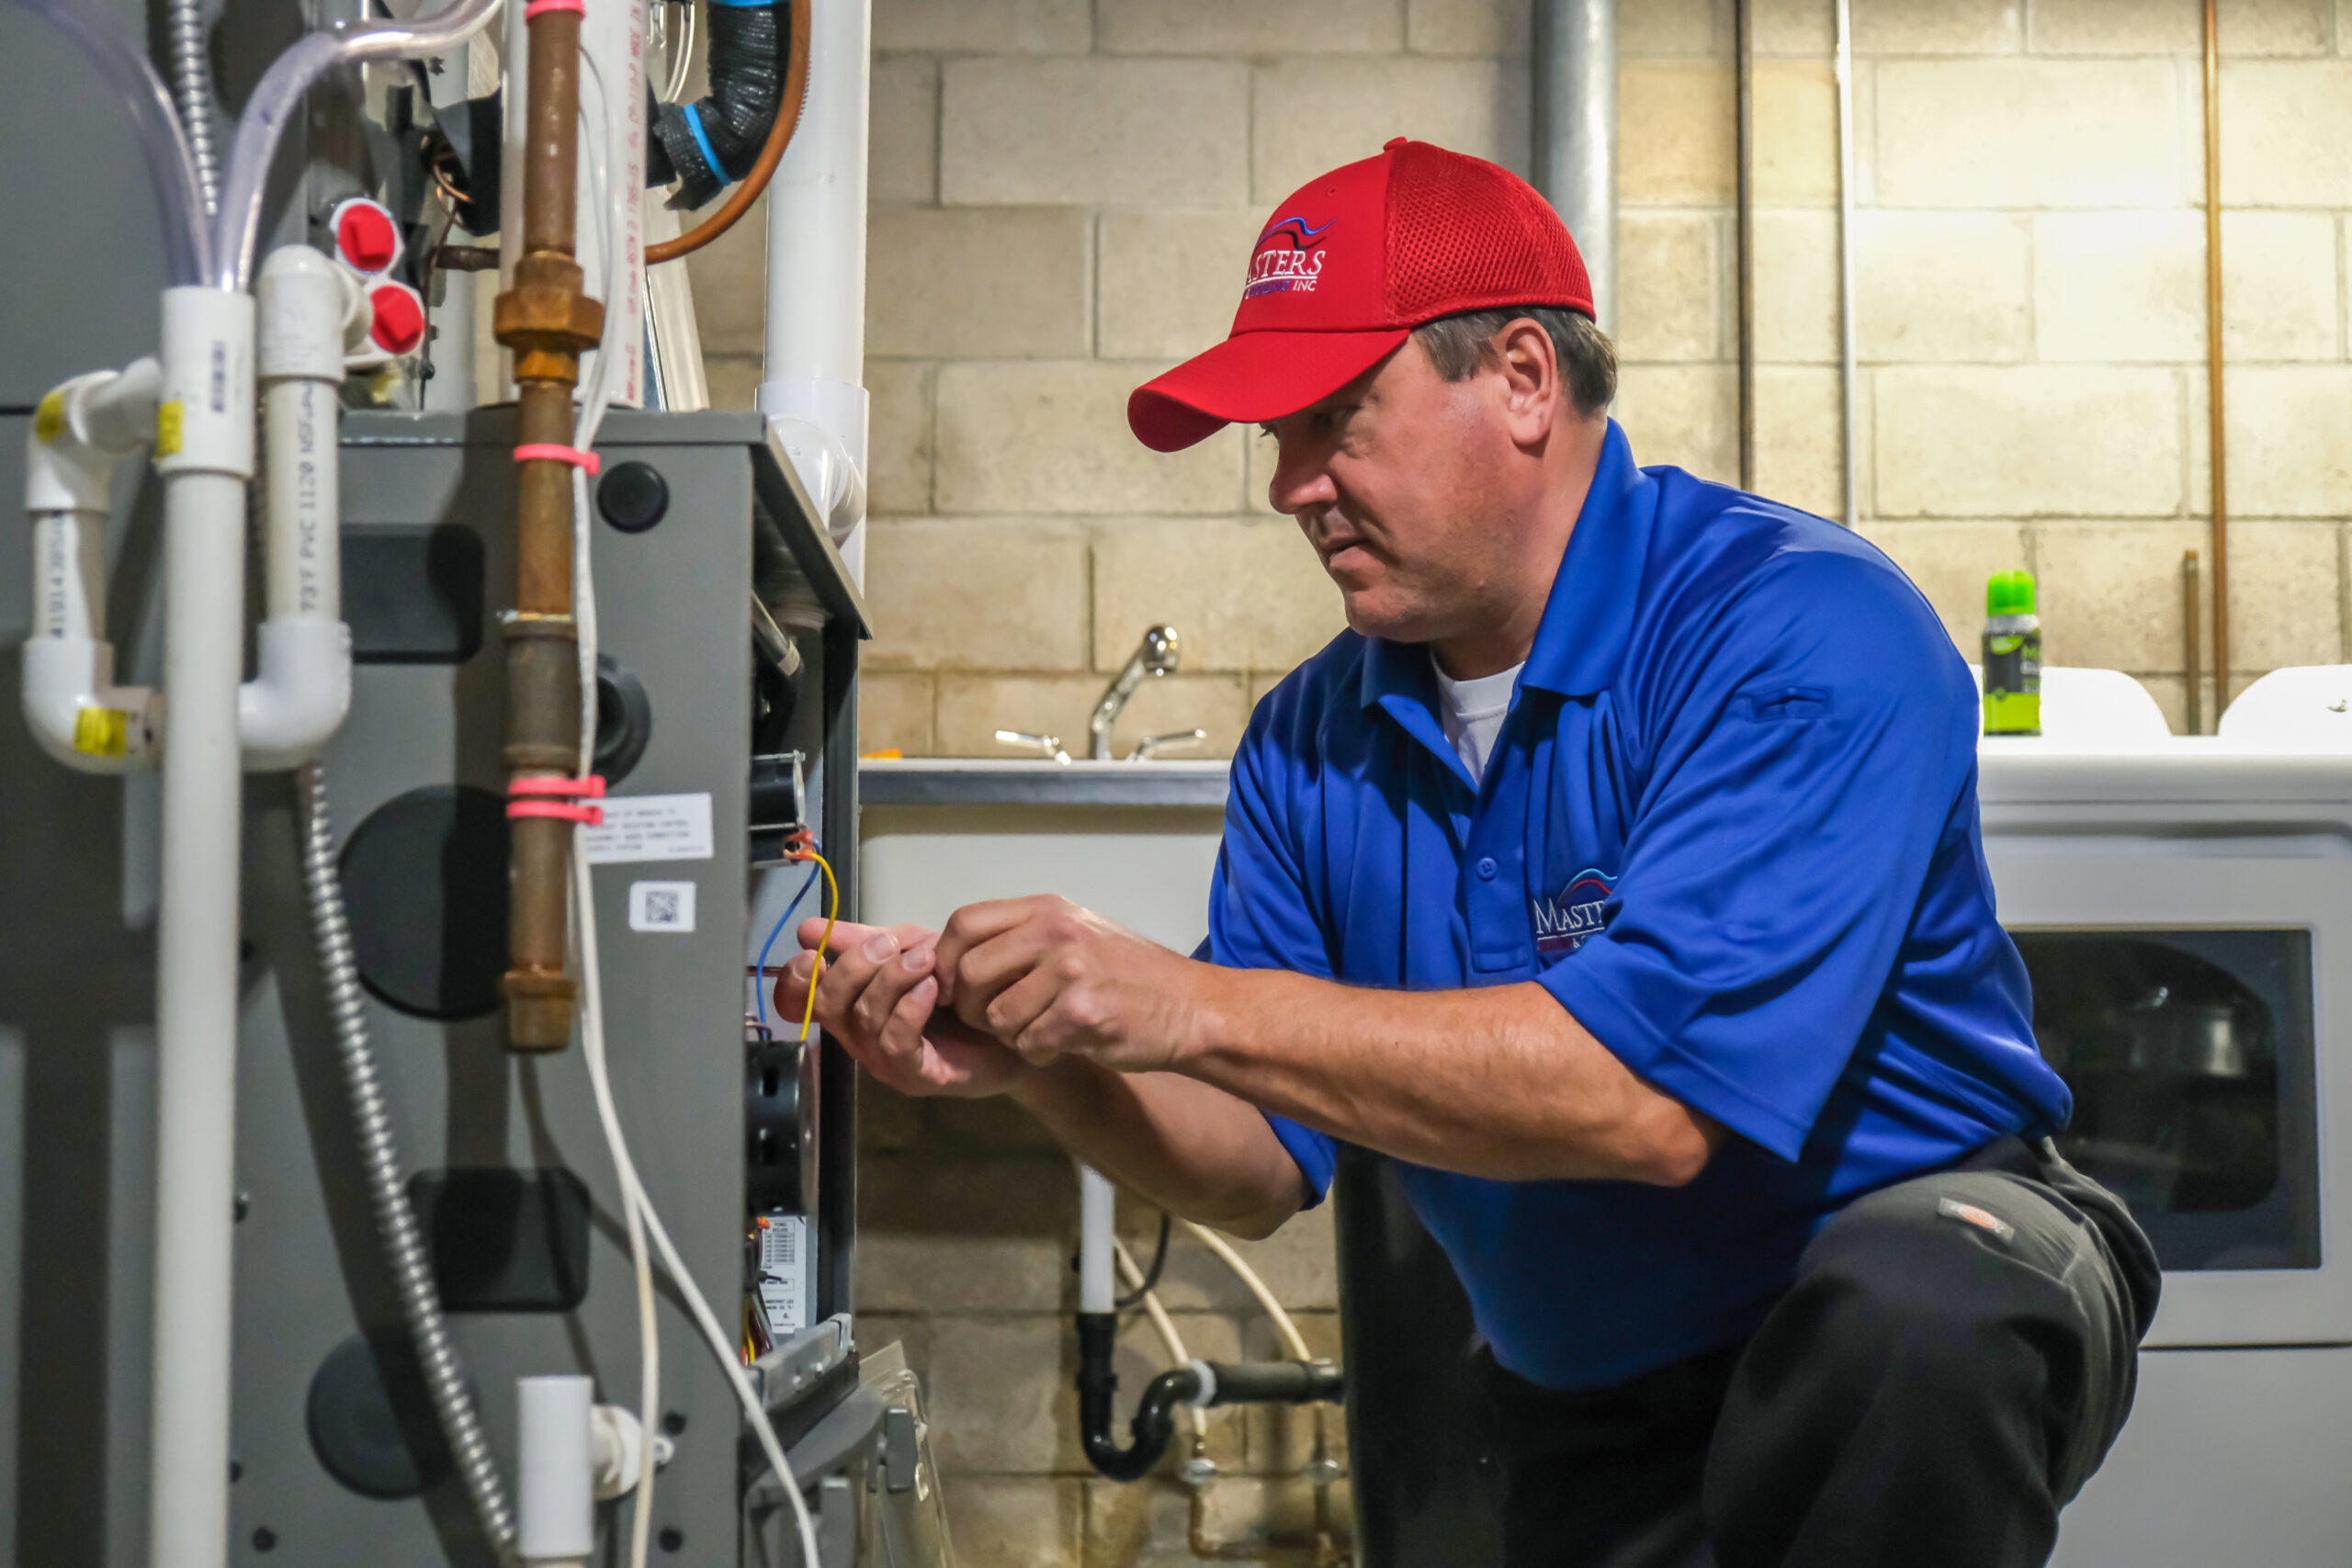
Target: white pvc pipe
[[555, 1507], [1097, 1240], [206, 456], [82, 432], [1845, 71], [310, 314], [1576, 133], [816, 315]]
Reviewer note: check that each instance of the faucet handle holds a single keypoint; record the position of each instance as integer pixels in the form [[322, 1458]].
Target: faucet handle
[[1050, 745], [1150, 744]]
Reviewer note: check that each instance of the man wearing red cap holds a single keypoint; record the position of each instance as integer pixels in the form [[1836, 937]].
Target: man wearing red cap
[[1617, 875]]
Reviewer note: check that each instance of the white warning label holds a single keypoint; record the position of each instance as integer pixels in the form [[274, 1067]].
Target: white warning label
[[648, 828], [784, 1275]]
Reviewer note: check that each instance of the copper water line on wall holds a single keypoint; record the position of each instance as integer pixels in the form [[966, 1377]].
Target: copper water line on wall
[[2220, 466], [1743, 158], [2191, 590], [549, 321]]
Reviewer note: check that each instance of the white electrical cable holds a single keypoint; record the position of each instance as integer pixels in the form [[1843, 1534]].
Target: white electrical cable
[[634, 1198], [1284, 1326], [1177, 1354]]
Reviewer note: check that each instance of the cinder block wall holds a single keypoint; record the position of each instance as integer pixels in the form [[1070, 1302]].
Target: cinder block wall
[[1063, 196]]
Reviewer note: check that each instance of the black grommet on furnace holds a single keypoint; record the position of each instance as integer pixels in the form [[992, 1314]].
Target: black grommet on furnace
[[633, 496]]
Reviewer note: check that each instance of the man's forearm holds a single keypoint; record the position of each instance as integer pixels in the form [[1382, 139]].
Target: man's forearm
[[1187, 1145], [1498, 1082]]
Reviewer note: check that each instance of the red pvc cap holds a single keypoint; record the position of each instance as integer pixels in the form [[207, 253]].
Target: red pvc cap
[[367, 236], [400, 318]]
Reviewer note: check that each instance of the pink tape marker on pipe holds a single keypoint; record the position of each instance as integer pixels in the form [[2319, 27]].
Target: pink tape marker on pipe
[[555, 452]]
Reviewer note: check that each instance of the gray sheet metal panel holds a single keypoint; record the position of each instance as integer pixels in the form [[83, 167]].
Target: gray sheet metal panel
[[2230, 1457], [307, 1271]]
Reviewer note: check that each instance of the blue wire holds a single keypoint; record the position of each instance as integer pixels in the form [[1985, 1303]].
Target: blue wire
[[760, 978]]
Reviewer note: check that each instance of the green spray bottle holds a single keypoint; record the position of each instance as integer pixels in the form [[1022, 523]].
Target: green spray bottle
[[2012, 656]]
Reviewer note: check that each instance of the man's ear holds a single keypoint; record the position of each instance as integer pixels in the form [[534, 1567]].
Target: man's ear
[[1529, 366]]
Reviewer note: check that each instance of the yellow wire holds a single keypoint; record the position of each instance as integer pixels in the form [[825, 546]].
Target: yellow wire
[[832, 908]]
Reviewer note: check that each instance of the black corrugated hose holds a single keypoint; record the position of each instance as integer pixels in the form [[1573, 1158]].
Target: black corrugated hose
[[749, 47]]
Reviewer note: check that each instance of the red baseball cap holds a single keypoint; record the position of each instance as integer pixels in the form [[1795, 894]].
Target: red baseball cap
[[1345, 270]]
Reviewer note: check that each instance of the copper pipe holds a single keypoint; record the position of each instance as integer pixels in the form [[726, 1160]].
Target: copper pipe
[[2191, 591], [1744, 157], [787, 119], [2219, 444], [549, 322]]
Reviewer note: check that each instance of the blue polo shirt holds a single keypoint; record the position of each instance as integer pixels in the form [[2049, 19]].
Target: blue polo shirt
[[1731, 824]]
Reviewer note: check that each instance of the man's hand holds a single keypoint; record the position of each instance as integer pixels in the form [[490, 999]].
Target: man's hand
[[878, 996], [1050, 979]]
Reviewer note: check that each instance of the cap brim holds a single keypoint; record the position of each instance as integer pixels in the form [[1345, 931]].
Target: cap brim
[[1248, 378]]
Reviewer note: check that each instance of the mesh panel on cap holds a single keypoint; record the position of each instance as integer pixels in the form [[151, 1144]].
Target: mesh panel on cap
[[1463, 233]]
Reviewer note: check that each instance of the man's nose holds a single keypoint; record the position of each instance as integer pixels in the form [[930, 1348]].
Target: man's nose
[[1301, 480]]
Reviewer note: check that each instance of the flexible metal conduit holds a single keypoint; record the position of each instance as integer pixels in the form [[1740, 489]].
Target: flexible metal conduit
[[191, 77], [1575, 134], [371, 1122]]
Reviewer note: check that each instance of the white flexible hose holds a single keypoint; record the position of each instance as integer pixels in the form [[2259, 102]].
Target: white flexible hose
[[1161, 1321], [1284, 1326], [634, 1198]]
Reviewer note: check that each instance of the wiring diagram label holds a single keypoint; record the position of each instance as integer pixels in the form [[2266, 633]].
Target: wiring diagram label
[[661, 907], [784, 1275], [639, 828]]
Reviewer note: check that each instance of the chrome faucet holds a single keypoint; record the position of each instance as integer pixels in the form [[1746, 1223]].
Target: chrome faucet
[[1157, 655]]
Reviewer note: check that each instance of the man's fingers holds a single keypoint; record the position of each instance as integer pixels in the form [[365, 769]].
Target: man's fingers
[[901, 1036], [976, 923], [1012, 1014], [895, 973]]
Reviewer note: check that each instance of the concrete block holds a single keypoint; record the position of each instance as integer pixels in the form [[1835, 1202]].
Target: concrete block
[[897, 435], [1006, 27], [899, 1272], [1052, 437], [1796, 132], [2276, 116], [1000, 1521], [1942, 286], [2111, 594], [1001, 1395], [1938, 27], [2171, 693], [1169, 282], [1798, 459], [959, 1186], [1261, 683], [732, 379], [1313, 114], [2285, 595], [2127, 27], [2027, 441], [902, 141], [2289, 430], [2118, 287], [1684, 414], [1243, 594], [1470, 26], [2031, 134], [1796, 286], [894, 713], [2278, 286], [730, 279], [1145, 1525], [1250, 27], [972, 708], [1676, 136], [1664, 30], [1094, 132], [1298, 1263], [1669, 285], [1948, 562], [980, 283], [975, 593]]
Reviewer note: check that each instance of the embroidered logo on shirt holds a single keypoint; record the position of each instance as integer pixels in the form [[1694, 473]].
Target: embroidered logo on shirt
[[1969, 1213], [1562, 924]]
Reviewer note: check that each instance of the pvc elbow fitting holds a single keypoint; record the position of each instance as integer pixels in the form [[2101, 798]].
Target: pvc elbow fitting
[[79, 716], [298, 699]]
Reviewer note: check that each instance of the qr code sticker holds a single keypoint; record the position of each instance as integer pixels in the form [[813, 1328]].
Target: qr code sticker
[[661, 907]]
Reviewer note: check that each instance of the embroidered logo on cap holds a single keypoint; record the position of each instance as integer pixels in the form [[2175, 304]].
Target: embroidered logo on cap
[[1562, 923], [1288, 259]]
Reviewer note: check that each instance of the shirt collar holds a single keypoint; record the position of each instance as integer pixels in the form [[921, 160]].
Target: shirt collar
[[1589, 614]]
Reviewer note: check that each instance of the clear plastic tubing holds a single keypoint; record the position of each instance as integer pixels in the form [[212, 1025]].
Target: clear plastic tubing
[[121, 60], [279, 98]]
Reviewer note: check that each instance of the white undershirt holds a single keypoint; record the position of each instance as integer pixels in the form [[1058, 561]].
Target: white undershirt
[[1472, 713]]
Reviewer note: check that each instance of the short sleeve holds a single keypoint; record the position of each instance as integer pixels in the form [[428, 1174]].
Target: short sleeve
[[1260, 917], [1807, 761]]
